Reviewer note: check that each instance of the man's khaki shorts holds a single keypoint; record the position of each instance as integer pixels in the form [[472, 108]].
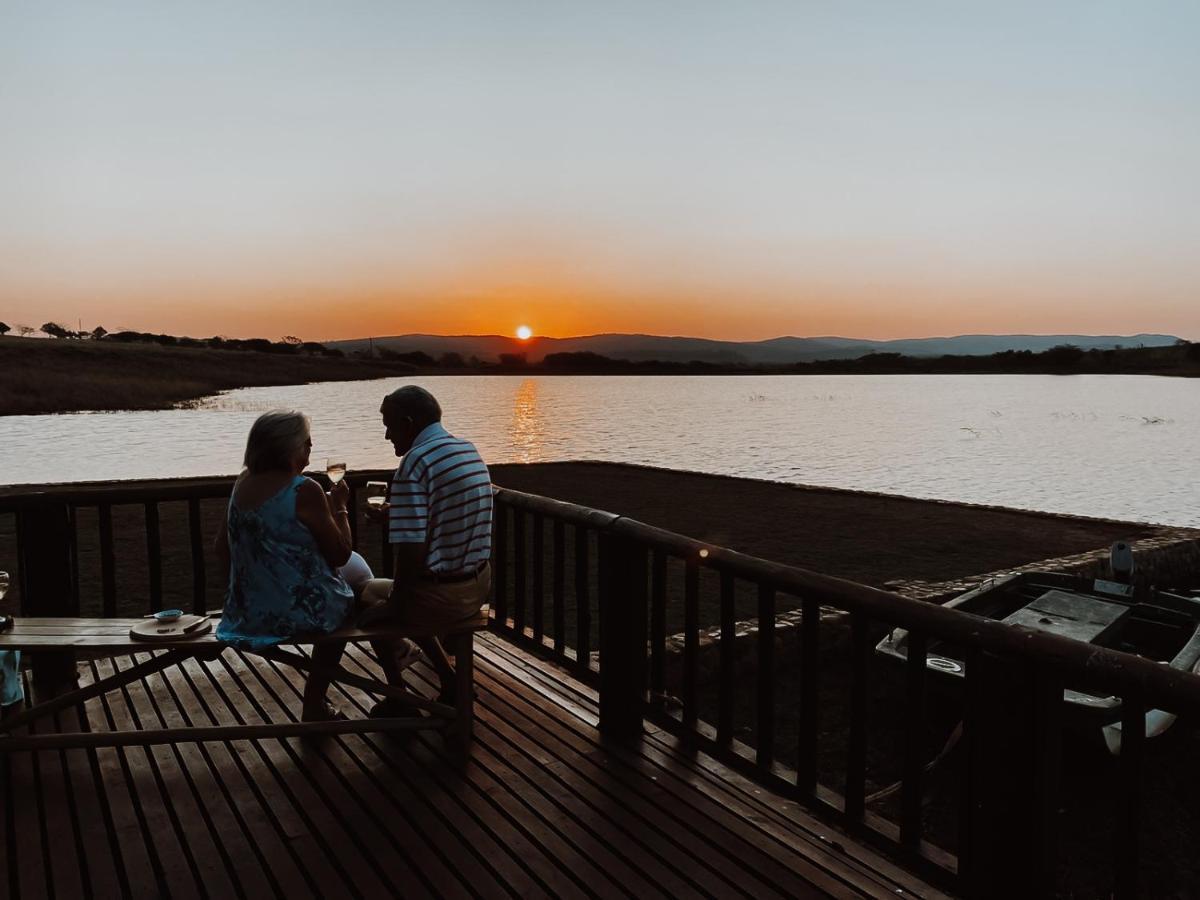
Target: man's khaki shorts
[[426, 603]]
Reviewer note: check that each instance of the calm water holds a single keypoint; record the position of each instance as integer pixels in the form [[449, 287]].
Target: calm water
[[1114, 446]]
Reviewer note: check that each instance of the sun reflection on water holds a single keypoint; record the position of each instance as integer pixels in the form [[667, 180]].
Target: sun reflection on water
[[528, 430]]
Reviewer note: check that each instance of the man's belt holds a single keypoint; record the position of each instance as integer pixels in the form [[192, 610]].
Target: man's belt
[[455, 577]]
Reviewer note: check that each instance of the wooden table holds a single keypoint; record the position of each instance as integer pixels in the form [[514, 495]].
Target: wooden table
[[106, 637]]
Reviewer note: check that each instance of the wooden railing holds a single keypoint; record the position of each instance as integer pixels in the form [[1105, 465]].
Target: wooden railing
[[1012, 709], [569, 579]]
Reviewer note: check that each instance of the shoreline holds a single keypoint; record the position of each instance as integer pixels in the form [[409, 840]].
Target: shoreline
[[44, 377]]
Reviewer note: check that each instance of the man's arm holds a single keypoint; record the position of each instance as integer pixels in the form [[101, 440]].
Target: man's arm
[[410, 564], [408, 527]]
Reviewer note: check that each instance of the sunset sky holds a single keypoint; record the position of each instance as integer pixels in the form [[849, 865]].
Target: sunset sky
[[730, 170]]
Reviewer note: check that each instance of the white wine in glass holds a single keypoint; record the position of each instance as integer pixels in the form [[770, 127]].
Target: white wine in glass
[[376, 494], [335, 470]]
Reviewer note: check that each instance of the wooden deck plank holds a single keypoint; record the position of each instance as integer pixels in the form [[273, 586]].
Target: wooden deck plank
[[310, 856], [689, 814], [596, 851], [619, 823], [261, 822], [600, 772], [786, 821], [363, 849], [544, 806], [29, 862], [151, 800], [872, 871], [173, 771], [8, 874], [468, 835], [861, 874], [241, 857], [373, 754], [571, 853], [384, 815], [529, 813], [663, 870], [478, 807], [59, 822], [135, 860], [345, 869], [618, 818], [92, 815]]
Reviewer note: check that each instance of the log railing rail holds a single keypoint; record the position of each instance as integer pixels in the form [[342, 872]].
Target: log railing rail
[[619, 569]]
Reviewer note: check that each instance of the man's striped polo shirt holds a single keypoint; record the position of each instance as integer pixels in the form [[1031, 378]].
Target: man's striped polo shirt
[[442, 494]]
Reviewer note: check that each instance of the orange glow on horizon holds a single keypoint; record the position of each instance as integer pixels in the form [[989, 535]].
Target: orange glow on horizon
[[569, 304], [524, 332]]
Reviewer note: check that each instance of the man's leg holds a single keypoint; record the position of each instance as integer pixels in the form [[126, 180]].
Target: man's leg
[[374, 607], [464, 601], [385, 650], [441, 664]]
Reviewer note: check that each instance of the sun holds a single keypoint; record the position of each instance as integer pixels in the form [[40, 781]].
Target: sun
[[524, 332]]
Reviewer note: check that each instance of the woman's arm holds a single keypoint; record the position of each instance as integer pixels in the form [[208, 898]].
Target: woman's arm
[[327, 518]]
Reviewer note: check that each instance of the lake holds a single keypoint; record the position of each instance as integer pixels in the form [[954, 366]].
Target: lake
[[1123, 447]]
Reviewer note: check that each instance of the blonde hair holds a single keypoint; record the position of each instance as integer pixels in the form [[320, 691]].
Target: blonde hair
[[275, 438]]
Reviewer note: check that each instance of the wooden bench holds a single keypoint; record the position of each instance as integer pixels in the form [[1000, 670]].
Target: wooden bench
[[108, 637]]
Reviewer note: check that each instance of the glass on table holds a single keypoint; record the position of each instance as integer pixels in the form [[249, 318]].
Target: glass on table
[[3, 584]]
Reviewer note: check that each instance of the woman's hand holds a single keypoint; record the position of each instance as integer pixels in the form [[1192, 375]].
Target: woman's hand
[[325, 515], [339, 497]]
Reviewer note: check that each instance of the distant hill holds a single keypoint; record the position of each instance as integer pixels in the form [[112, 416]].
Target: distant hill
[[776, 351]]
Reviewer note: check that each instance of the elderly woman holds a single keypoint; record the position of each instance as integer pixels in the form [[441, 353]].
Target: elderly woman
[[287, 544]]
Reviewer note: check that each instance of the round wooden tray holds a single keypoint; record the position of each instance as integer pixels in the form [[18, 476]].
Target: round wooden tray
[[153, 630]]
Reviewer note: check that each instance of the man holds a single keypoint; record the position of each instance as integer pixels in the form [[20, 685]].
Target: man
[[439, 522]]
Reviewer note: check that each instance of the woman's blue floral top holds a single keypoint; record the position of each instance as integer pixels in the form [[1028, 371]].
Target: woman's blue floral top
[[280, 586]]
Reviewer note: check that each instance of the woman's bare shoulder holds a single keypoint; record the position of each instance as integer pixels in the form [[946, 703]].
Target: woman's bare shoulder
[[308, 491]]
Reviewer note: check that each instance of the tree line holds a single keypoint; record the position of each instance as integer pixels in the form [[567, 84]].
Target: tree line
[[1063, 358], [288, 344]]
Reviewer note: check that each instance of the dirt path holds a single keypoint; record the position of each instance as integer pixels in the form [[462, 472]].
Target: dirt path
[[871, 538]]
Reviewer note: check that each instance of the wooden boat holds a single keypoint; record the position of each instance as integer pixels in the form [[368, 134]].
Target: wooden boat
[[1154, 624]]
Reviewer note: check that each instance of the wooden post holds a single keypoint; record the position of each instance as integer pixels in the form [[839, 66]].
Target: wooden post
[[623, 608], [47, 585], [1007, 785]]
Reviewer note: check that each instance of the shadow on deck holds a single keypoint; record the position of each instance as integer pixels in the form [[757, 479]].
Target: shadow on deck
[[544, 807]]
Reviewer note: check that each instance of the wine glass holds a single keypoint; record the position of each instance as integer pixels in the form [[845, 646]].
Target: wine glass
[[3, 584], [376, 494], [335, 470]]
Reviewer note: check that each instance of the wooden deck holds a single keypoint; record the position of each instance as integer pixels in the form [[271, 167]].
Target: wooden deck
[[545, 807]]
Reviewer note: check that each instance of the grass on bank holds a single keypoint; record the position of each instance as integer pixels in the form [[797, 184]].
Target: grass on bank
[[47, 376]]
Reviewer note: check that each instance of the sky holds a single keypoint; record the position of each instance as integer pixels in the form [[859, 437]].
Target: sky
[[729, 170]]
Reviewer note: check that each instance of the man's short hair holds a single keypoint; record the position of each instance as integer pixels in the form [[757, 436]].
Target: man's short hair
[[275, 439], [416, 403]]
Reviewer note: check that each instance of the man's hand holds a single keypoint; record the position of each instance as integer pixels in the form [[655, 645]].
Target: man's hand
[[377, 512]]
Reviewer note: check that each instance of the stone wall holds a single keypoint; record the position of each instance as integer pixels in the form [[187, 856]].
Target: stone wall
[[1169, 557]]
